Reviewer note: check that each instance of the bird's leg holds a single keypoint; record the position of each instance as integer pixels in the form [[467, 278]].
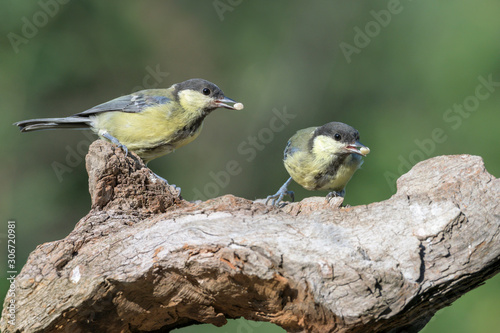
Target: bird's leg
[[177, 188], [114, 140], [278, 196], [334, 194]]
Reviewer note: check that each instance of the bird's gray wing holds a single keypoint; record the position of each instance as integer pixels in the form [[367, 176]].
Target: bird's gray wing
[[300, 141], [133, 103], [288, 149]]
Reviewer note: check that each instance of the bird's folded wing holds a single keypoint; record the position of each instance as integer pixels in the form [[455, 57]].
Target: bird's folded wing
[[133, 103]]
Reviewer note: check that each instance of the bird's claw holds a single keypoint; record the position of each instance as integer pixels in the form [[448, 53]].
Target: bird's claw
[[278, 196], [334, 194], [115, 141], [281, 193], [125, 149], [274, 196], [177, 188]]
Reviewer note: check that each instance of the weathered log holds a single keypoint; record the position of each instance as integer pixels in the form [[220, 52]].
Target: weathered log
[[143, 260]]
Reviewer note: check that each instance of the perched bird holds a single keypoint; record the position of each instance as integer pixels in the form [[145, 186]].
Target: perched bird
[[152, 122], [322, 158]]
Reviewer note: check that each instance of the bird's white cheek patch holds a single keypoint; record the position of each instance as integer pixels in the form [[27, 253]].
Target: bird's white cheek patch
[[192, 99], [325, 144]]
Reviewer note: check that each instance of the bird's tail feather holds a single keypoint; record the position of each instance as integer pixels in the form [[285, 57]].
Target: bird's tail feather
[[53, 123]]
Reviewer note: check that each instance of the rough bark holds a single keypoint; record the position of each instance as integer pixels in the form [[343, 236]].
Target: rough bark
[[143, 260]]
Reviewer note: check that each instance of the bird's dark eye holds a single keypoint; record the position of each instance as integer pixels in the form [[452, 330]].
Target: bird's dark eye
[[206, 91], [337, 136]]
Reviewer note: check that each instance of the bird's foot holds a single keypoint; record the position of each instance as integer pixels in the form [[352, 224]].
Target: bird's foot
[[177, 188], [115, 141], [278, 196], [334, 194]]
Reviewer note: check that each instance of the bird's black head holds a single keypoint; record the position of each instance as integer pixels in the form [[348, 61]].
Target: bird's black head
[[204, 87], [339, 132], [339, 138], [199, 93]]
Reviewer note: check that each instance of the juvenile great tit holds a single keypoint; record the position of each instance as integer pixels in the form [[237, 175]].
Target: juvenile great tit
[[322, 158], [152, 122]]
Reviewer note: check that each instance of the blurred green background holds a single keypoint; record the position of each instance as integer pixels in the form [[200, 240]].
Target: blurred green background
[[396, 71]]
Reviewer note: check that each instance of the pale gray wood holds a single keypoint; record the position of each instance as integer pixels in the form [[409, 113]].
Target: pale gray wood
[[143, 260]]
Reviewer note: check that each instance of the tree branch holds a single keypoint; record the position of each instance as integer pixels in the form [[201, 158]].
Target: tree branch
[[143, 260]]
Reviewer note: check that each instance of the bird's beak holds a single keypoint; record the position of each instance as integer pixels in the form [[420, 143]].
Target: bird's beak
[[357, 148], [221, 103]]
